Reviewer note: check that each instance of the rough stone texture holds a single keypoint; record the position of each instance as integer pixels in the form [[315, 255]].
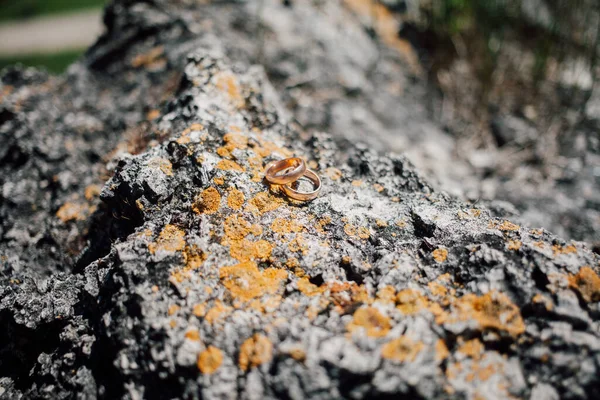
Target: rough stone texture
[[142, 255]]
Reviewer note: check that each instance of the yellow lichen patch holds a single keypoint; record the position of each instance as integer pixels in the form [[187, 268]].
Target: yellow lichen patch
[[539, 298], [161, 163], [308, 288], [199, 310], [437, 289], [298, 244], [207, 202], [333, 173], [569, 249], [387, 26], [441, 350], [514, 245], [322, 223], [236, 227], [228, 165], [357, 183], [472, 348], [152, 58], [246, 250], [493, 310], [152, 114], [264, 202], [587, 283], [283, 225], [193, 258], [227, 83], [235, 199], [386, 294], [218, 312], [371, 320], [360, 232], [245, 281], [508, 226], [232, 141], [210, 360], [402, 349], [536, 232], [411, 301], [401, 223], [73, 211], [379, 188], [381, 223], [91, 192], [440, 255], [193, 335], [171, 238], [255, 351]]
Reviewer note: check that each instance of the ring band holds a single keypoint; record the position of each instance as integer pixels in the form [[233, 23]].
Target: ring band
[[285, 171], [305, 196]]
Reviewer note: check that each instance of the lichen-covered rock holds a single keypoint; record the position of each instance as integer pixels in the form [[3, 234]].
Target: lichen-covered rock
[[143, 255]]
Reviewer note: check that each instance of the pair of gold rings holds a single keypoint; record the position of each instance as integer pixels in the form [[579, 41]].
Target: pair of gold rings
[[288, 171]]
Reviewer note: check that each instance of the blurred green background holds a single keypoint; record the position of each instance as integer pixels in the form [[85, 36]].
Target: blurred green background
[[19, 11]]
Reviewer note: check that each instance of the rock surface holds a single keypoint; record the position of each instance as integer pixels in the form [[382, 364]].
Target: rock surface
[[143, 256]]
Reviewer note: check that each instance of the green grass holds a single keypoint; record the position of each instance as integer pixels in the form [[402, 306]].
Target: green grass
[[54, 63], [11, 10]]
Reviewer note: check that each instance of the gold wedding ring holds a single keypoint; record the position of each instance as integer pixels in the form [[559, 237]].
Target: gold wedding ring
[[287, 172]]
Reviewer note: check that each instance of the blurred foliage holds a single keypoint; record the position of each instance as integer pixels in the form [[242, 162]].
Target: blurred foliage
[[55, 63], [21, 9]]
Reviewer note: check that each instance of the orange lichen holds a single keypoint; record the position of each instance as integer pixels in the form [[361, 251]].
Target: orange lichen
[[298, 244], [227, 83], [73, 211], [508, 226], [255, 351], [360, 232], [514, 245], [173, 309], [219, 180], [283, 225], [440, 255], [228, 165], [357, 183], [402, 349], [193, 335], [569, 249], [401, 223], [218, 312], [587, 283], [384, 23], [152, 58], [246, 250], [199, 310], [236, 227], [411, 301], [193, 258], [92, 191], [171, 238], [232, 141], [371, 320], [207, 202], [441, 350], [493, 310], [235, 199], [539, 298], [379, 188], [264, 202], [437, 289], [333, 173], [210, 360], [386, 294], [472, 348], [308, 288], [322, 223], [245, 281], [297, 354], [161, 163]]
